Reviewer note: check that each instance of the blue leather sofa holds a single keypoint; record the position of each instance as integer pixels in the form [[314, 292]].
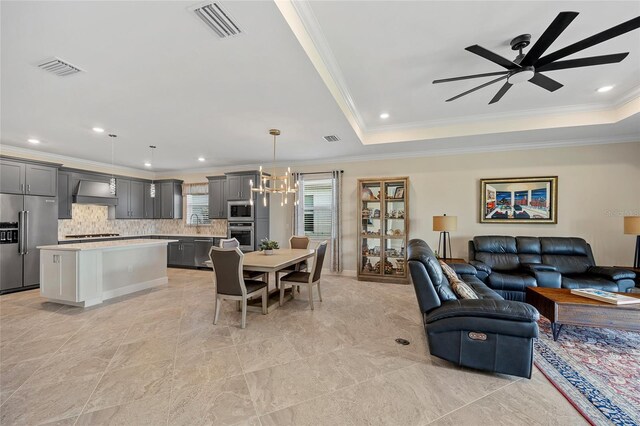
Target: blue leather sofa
[[510, 264]]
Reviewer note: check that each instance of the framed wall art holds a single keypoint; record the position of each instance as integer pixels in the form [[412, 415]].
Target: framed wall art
[[519, 200]]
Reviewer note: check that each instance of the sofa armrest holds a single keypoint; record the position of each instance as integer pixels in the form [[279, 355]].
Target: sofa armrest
[[611, 273], [538, 267], [485, 308], [463, 269], [549, 279], [481, 266]]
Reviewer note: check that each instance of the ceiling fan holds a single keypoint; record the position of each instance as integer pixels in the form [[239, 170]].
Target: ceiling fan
[[530, 66]]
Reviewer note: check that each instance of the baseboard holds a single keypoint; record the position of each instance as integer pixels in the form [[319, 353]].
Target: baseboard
[[134, 287], [344, 273]]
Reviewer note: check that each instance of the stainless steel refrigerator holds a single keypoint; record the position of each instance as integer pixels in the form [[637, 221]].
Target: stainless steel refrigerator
[[26, 221]]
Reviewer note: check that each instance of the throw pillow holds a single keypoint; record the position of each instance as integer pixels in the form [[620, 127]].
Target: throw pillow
[[462, 289]]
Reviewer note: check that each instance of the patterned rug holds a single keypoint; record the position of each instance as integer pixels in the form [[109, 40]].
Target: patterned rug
[[596, 369]]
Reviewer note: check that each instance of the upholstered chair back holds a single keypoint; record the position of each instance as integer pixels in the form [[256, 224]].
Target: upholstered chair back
[[227, 266]]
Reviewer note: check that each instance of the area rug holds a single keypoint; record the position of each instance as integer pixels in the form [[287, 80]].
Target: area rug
[[596, 369]]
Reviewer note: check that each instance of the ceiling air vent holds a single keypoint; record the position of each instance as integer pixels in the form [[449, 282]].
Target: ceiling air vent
[[58, 67], [218, 19], [331, 138]]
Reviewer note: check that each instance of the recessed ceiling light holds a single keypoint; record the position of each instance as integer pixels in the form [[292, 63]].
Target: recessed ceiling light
[[34, 141], [384, 115], [604, 89], [98, 129], [147, 164], [200, 158]]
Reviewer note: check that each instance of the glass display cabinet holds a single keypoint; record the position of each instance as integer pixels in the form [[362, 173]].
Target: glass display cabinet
[[384, 227]]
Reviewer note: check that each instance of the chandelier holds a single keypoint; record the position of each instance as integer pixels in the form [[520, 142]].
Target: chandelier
[[274, 184]]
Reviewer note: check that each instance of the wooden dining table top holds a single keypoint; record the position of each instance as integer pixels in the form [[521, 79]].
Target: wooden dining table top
[[280, 259]]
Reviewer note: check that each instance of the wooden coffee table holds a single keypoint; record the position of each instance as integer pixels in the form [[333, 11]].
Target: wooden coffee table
[[561, 307]]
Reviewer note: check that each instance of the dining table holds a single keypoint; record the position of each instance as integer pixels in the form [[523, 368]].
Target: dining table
[[271, 263]]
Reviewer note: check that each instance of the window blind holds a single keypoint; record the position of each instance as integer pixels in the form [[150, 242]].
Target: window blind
[[314, 209], [196, 196]]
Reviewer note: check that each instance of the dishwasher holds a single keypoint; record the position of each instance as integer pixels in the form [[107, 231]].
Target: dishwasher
[[202, 251]]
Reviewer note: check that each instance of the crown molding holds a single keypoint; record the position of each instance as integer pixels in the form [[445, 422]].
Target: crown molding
[[77, 162], [442, 152], [301, 19]]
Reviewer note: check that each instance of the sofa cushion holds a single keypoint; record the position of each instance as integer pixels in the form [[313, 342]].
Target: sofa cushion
[[528, 245], [567, 264], [588, 281], [564, 245], [495, 244], [511, 281]]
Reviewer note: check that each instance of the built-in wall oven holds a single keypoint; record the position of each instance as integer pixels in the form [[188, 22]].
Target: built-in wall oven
[[243, 232], [239, 211]]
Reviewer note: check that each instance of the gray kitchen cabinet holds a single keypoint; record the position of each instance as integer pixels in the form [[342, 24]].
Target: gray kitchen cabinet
[[182, 253], [168, 203], [239, 185], [18, 177], [148, 201], [122, 192], [130, 195], [217, 197], [12, 177], [65, 195], [136, 199], [41, 180]]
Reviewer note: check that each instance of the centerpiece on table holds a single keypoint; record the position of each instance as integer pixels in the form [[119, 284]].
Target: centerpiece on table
[[268, 246]]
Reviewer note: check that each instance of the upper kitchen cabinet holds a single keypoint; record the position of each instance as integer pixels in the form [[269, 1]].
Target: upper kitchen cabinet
[[17, 177], [217, 197], [131, 199], [239, 184], [65, 195], [168, 201], [148, 201]]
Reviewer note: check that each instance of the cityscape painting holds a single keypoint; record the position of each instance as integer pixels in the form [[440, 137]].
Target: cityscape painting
[[519, 200]]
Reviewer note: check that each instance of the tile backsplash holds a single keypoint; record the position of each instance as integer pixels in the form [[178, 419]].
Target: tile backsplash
[[92, 219]]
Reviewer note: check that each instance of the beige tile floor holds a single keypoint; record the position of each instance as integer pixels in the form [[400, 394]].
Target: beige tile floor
[[156, 358]]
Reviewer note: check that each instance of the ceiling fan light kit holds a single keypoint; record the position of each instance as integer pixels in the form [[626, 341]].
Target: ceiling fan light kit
[[530, 66]]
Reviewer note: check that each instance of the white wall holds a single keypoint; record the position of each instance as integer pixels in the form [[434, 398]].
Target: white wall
[[597, 185]]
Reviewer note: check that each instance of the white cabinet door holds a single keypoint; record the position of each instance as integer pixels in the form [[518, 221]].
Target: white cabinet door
[[58, 275]]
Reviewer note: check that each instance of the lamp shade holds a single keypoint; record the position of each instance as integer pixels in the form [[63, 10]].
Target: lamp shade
[[631, 225], [445, 223]]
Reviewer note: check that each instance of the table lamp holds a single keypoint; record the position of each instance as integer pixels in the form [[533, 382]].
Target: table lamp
[[632, 227], [444, 224]]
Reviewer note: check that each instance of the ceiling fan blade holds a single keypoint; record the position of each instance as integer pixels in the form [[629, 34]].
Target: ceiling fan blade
[[547, 38], [603, 36], [584, 62], [467, 77], [477, 88], [545, 82], [493, 57], [504, 89]]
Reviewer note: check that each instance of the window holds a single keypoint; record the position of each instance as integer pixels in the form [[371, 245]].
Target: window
[[315, 209], [197, 201]]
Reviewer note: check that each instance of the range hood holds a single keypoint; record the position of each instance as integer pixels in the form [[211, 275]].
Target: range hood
[[91, 192]]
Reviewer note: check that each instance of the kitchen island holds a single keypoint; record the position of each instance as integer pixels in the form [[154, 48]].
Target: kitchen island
[[86, 274]]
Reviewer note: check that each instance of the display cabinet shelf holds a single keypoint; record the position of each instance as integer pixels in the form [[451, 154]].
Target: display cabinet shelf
[[384, 221]]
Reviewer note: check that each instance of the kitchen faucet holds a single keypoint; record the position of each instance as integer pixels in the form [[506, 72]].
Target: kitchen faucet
[[197, 221]]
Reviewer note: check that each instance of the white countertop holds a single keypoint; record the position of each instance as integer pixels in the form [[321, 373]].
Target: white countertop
[[107, 245], [145, 235]]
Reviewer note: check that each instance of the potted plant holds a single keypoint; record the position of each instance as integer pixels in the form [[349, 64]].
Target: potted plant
[[268, 246]]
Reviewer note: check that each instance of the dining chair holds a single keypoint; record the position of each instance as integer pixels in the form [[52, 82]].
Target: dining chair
[[300, 278], [232, 243], [295, 242], [230, 283]]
